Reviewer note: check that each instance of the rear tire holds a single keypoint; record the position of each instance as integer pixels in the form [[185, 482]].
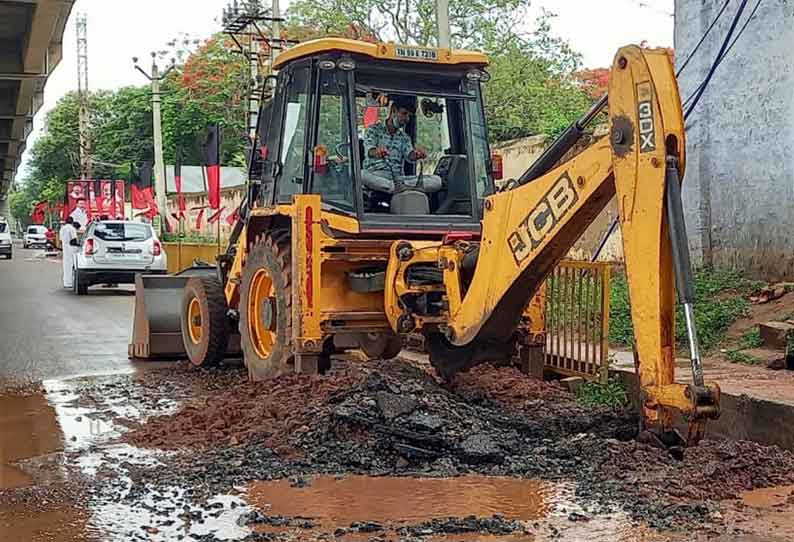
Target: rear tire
[[80, 287], [204, 321], [266, 307]]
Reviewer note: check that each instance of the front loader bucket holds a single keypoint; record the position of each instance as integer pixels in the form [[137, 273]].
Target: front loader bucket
[[156, 329]]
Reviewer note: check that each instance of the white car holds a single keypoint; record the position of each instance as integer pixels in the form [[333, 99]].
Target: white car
[[35, 236], [114, 251], [5, 239]]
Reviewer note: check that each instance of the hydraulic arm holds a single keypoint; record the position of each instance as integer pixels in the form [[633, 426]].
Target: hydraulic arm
[[527, 230]]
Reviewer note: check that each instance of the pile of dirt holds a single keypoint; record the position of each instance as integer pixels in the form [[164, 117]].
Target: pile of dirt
[[397, 419], [244, 412], [507, 386]]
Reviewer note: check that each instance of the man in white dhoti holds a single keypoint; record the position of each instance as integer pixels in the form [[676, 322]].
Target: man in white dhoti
[[67, 233]]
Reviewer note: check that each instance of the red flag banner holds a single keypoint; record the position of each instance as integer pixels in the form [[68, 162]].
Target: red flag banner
[[178, 183], [211, 151], [199, 219], [232, 218], [142, 190], [39, 213], [216, 216], [214, 186]]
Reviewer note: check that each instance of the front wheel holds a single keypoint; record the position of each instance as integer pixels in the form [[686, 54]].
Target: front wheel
[[204, 321], [266, 307]]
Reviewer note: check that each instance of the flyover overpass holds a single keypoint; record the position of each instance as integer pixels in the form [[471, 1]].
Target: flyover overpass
[[31, 45]]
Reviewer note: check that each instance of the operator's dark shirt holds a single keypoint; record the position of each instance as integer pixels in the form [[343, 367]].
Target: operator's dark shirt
[[399, 145]]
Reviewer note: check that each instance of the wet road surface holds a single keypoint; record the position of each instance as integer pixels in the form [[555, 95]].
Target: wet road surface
[[67, 473], [48, 332]]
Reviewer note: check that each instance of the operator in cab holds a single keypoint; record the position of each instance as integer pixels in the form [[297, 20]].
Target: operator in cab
[[387, 146]]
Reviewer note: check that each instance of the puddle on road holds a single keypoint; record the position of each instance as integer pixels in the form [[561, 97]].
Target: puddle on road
[[43, 423], [542, 508], [339, 502], [763, 515], [29, 428], [63, 523]]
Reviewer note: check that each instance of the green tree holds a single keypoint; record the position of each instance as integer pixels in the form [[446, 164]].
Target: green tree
[[210, 86], [21, 205]]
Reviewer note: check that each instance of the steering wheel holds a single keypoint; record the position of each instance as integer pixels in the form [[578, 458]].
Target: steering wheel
[[338, 148]]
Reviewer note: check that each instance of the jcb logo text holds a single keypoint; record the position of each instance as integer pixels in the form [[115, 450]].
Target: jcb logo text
[[645, 115], [542, 219]]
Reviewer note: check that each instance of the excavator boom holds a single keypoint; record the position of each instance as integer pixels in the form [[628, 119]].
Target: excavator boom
[[527, 230]]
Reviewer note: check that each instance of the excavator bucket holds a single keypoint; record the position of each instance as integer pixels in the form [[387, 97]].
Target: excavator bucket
[[156, 329]]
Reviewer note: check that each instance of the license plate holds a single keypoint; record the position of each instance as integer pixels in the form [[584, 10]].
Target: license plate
[[122, 256], [416, 53]]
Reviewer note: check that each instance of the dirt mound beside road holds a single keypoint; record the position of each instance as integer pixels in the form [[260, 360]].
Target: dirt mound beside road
[[396, 419], [269, 412]]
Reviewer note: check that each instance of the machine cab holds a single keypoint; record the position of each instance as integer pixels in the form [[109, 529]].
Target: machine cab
[[332, 106]]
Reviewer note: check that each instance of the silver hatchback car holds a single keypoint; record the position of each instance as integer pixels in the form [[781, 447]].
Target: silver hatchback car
[[114, 251]]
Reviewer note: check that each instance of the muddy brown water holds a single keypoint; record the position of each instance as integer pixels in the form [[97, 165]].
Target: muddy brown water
[[336, 502], [28, 428]]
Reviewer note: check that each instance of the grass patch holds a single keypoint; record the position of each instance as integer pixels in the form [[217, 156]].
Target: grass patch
[[594, 394], [719, 302], [750, 339], [737, 356]]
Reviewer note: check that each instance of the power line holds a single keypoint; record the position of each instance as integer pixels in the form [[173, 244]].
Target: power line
[[728, 50], [723, 48], [703, 38], [699, 93]]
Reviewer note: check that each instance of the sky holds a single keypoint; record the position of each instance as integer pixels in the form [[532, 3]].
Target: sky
[[119, 30]]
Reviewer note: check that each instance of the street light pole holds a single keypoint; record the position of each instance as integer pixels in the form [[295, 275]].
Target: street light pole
[[160, 190]]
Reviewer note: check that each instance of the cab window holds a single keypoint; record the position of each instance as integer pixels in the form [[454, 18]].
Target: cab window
[[332, 166], [483, 179], [437, 126], [293, 138]]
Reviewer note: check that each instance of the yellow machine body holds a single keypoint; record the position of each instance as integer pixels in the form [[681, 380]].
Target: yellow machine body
[[488, 295]]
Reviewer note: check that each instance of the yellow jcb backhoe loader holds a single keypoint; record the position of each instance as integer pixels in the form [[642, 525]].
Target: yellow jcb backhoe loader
[[323, 260]]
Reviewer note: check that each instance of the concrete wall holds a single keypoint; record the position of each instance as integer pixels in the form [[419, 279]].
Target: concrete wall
[[739, 184]]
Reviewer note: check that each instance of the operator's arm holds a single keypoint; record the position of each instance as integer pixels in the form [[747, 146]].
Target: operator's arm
[[371, 142]]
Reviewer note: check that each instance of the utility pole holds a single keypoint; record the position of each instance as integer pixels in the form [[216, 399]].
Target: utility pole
[[160, 189], [246, 24], [82, 93], [442, 21], [275, 42]]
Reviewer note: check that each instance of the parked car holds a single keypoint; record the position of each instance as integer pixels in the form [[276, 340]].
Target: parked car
[[35, 236], [114, 251], [5, 239]]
